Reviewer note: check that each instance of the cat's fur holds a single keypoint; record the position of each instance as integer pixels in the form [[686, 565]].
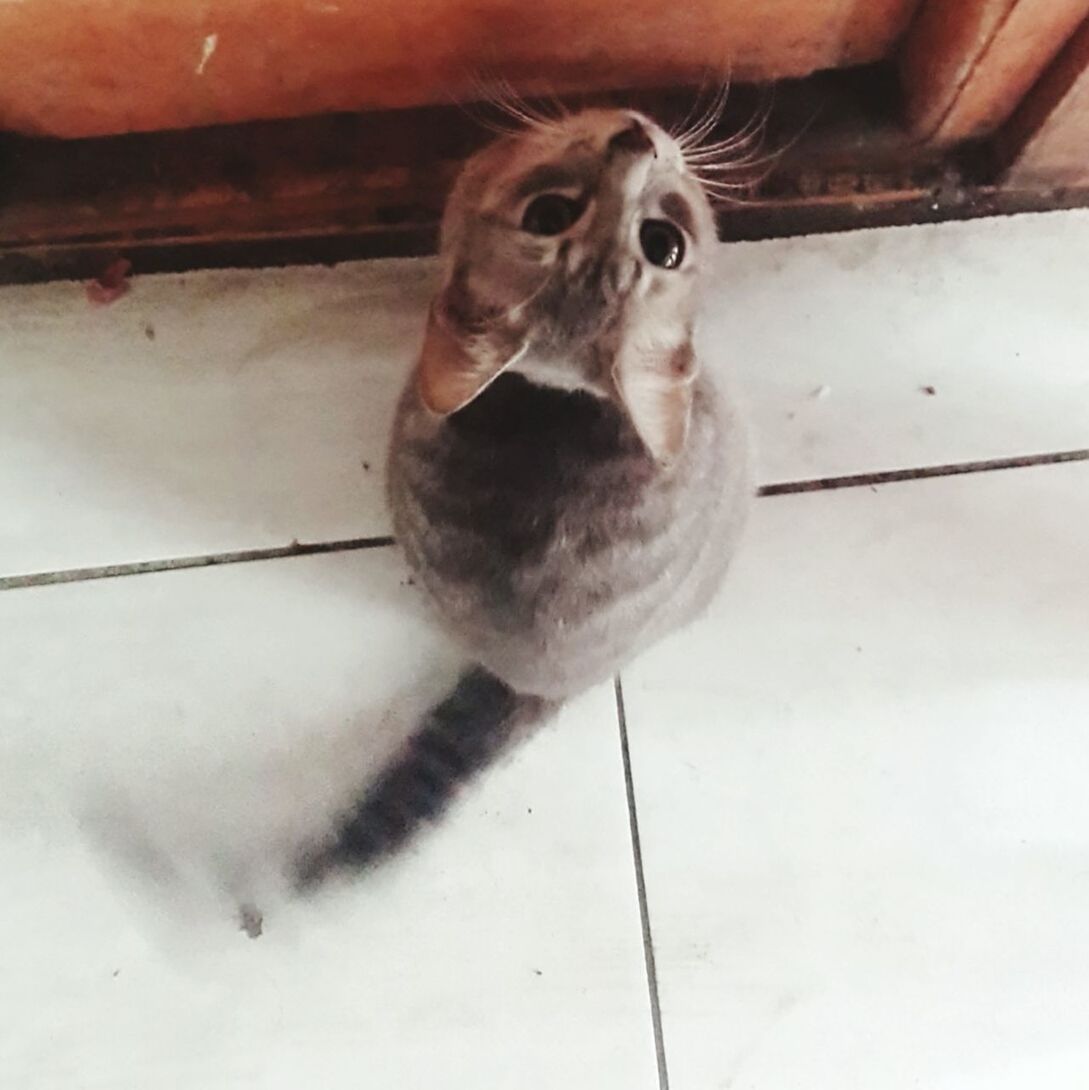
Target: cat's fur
[[566, 484]]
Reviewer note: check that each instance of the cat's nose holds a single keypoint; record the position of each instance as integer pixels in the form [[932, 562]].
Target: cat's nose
[[631, 140]]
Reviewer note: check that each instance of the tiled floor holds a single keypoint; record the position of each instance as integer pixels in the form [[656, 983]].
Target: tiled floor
[[858, 783]]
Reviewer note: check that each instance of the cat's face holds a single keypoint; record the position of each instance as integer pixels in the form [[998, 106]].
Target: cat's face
[[572, 251]]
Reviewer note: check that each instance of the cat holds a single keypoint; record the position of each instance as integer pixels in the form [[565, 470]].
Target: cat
[[566, 484]]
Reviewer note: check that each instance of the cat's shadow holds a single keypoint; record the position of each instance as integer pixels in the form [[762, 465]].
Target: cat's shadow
[[224, 816], [184, 796]]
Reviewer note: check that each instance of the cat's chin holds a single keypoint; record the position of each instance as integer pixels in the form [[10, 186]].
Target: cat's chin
[[557, 375]]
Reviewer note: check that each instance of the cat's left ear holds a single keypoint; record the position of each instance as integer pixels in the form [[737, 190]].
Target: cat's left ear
[[461, 355], [655, 383]]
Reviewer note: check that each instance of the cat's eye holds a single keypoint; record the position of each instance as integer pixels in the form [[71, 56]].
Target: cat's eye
[[550, 214], [662, 243]]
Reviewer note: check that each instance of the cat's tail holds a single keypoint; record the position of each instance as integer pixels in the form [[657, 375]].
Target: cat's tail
[[457, 738]]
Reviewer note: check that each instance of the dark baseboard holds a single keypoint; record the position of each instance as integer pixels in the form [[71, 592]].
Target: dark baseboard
[[354, 186]]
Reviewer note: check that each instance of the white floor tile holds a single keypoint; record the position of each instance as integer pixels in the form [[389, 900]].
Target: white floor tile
[[164, 739], [247, 420], [259, 412], [861, 791], [835, 338]]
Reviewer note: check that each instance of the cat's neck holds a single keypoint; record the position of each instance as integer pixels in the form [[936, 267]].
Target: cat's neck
[[555, 372], [514, 409]]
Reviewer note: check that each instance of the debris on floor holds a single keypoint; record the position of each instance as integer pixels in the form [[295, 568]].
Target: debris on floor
[[111, 283], [251, 921]]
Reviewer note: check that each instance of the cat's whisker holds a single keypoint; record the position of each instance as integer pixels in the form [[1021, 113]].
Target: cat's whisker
[[706, 119], [724, 177], [714, 114], [467, 108], [749, 182], [487, 123], [737, 163], [751, 165], [746, 185], [720, 192], [736, 177], [738, 168], [734, 200], [706, 124], [521, 109], [743, 138], [779, 152], [678, 132], [724, 147], [509, 99], [497, 92], [718, 199], [486, 98], [754, 158], [511, 110], [714, 188], [758, 167], [559, 110], [752, 132], [740, 192], [755, 123], [714, 162]]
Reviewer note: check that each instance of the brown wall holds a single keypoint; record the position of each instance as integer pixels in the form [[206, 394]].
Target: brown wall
[[90, 67]]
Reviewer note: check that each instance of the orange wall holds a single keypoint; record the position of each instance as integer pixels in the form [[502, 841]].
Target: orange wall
[[90, 67]]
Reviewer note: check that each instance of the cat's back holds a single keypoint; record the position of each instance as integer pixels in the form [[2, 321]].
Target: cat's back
[[549, 542]]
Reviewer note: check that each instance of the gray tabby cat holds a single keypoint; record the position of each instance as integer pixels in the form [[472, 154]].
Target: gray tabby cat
[[566, 484]]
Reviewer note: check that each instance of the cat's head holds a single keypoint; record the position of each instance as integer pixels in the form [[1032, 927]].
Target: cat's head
[[572, 251]]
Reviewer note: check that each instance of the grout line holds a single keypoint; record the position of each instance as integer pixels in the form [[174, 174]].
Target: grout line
[[893, 476], [784, 488], [641, 891], [244, 556]]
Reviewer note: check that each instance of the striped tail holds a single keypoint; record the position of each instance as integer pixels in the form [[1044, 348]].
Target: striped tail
[[458, 738]]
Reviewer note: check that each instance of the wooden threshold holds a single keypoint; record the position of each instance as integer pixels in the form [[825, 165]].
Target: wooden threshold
[[350, 186], [1047, 140], [965, 66]]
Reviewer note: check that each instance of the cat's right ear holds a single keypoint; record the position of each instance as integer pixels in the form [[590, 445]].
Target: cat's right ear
[[655, 384], [461, 355]]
